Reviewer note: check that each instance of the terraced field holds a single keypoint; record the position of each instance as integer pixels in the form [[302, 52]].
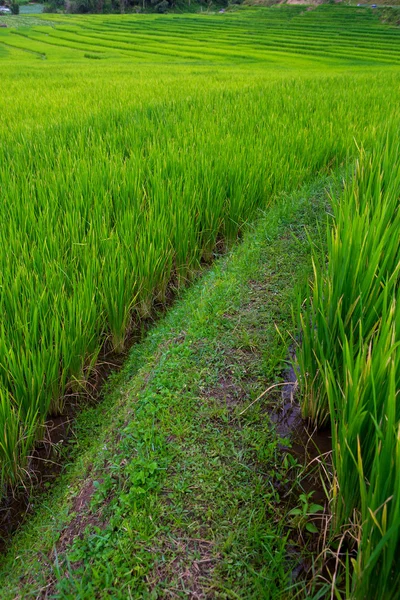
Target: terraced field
[[349, 35], [133, 147]]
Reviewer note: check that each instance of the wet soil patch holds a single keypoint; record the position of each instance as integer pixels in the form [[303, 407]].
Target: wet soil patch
[[307, 444], [311, 448], [82, 516]]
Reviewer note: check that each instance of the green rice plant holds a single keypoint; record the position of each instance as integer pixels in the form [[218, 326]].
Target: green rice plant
[[347, 294], [118, 296], [17, 434], [361, 400], [78, 322], [350, 365], [366, 445]]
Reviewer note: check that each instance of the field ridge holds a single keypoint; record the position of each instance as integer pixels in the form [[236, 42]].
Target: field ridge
[[178, 475]]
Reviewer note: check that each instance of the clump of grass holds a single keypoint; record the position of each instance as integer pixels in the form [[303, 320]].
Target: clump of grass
[[366, 445], [350, 367], [17, 434], [348, 294]]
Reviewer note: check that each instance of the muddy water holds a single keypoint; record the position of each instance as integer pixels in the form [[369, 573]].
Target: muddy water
[[310, 448], [306, 444]]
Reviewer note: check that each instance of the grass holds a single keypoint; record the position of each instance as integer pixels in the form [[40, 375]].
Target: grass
[[350, 366], [174, 491], [351, 299]]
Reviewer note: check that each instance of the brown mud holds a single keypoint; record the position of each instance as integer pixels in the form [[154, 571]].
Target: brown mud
[[308, 445], [312, 449]]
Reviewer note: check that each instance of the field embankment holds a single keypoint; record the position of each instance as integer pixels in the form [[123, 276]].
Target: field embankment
[[184, 487]]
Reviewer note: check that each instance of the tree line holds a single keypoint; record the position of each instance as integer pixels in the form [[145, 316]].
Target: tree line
[[122, 6]]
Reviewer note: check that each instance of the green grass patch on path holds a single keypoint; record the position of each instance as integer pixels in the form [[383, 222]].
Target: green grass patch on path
[[181, 493]]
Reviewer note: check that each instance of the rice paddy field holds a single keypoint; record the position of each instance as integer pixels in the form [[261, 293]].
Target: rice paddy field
[[133, 146]]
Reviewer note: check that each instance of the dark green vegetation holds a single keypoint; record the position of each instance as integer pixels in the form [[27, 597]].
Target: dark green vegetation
[[134, 6], [133, 149], [390, 15]]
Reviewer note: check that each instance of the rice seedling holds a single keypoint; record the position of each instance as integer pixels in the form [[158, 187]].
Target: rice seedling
[[365, 434], [363, 266], [350, 366]]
